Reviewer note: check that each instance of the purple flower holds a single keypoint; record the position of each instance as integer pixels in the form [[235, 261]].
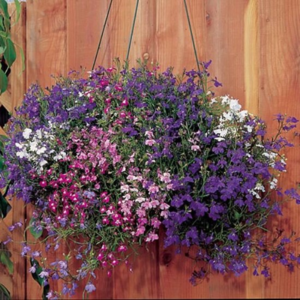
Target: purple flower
[[90, 287]]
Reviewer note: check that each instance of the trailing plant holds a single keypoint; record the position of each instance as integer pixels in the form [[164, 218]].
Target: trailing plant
[[7, 46], [106, 161]]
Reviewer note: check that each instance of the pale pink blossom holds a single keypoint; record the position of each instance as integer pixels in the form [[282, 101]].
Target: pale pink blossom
[[149, 142], [195, 148]]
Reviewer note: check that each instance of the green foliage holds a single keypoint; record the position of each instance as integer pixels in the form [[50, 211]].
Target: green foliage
[[37, 276], [4, 292], [7, 46], [34, 230], [6, 261]]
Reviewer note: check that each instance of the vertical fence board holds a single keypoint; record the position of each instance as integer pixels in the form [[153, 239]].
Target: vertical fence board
[[46, 41], [224, 45], [255, 56], [83, 32], [279, 93], [10, 99], [46, 56], [174, 42]]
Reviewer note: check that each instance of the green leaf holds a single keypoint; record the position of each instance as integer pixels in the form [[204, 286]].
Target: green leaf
[[2, 163], [18, 10], [46, 290], [2, 49], [4, 8], [1, 23], [38, 269], [4, 11], [5, 207], [36, 233], [5, 260], [10, 52], [5, 291], [3, 82]]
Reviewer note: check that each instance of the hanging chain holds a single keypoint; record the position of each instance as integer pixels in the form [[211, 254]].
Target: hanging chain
[[192, 36], [132, 29], [103, 28]]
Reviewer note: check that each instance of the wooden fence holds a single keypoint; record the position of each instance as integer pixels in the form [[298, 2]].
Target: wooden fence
[[255, 50]]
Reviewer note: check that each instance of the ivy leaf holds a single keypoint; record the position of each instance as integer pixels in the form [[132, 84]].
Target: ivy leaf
[[3, 82], [2, 50], [40, 280], [5, 291], [10, 52], [5, 260], [36, 233], [38, 269], [18, 10], [5, 207], [4, 11], [46, 290]]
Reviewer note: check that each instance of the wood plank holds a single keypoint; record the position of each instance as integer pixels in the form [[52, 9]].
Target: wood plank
[[174, 43], [10, 99], [143, 282], [225, 45], [46, 56], [83, 32], [254, 285], [279, 92], [46, 41]]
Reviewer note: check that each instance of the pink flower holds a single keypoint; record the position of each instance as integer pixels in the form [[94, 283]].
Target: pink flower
[[195, 148], [149, 142], [140, 230], [166, 177], [151, 237], [153, 189], [147, 205], [149, 134], [155, 222]]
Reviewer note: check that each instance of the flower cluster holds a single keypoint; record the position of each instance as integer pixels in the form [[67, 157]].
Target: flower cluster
[[108, 160]]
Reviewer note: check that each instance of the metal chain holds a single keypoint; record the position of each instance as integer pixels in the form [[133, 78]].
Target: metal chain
[[132, 29]]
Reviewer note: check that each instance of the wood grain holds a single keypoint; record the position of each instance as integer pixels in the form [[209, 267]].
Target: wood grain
[[10, 99], [279, 93], [46, 41], [255, 55]]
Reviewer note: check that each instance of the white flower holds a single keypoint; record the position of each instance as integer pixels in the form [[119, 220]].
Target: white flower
[[22, 154], [33, 146], [228, 115], [249, 128], [60, 155], [234, 105], [273, 183], [39, 134], [20, 146], [41, 150], [43, 162], [26, 133], [221, 132], [214, 100], [225, 100], [242, 115]]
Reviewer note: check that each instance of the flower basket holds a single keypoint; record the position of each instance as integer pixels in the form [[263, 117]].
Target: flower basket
[[108, 160]]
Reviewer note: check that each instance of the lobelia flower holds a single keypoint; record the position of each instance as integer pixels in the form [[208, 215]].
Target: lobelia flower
[[106, 161]]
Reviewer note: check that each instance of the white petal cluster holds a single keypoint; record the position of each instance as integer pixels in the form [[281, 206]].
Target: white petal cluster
[[230, 117], [37, 147]]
